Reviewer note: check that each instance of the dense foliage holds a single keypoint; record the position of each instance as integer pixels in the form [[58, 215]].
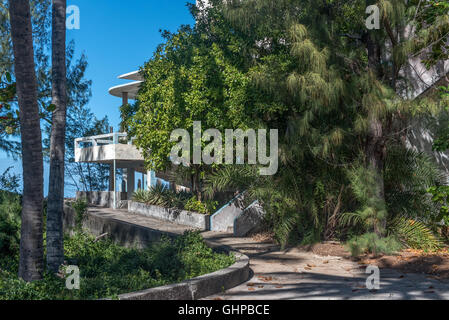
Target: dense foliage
[[9, 224], [167, 198], [106, 269], [340, 95]]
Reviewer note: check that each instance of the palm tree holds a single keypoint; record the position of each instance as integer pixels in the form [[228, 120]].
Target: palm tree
[[55, 207], [31, 242]]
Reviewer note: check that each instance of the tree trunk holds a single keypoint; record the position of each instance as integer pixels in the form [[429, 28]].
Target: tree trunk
[[31, 241], [375, 144], [55, 207]]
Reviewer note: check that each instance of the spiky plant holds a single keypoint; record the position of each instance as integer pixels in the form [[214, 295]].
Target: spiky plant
[[162, 196], [408, 175], [414, 234]]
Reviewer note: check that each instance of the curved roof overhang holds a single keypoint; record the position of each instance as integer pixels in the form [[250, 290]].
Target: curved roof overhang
[[135, 75], [131, 88]]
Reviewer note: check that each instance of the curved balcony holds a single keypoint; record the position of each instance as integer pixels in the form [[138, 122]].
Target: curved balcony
[[106, 148]]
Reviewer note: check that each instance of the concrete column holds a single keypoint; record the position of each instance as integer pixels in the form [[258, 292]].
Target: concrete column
[[130, 182], [151, 179], [115, 184], [124, 179], [124, 98]]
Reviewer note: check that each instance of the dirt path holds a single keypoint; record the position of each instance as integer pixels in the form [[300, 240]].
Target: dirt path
[[298, 274]]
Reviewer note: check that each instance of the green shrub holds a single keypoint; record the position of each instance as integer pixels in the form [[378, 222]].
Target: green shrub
[[13, 288], [80, 206], [204, 207], [107, 270], [10, 209], [440, 196], [414, 234], [372, 243], [9, 181], [161, 196], [370, 217], [164, 197]]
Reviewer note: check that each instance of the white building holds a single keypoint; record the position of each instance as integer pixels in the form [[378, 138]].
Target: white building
[[118, 151]]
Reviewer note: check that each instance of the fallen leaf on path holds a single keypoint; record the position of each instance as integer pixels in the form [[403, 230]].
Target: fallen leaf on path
[[250, 284], [325, 261], [268, 279], [251, 289]]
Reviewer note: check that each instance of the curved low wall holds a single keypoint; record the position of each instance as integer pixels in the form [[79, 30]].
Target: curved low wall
[[128, 234], [103, 198], [121, 232], [183, 217], [223, 219], [250, 221], [199, 287]]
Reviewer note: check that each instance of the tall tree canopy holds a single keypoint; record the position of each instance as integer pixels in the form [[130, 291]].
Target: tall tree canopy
[[341, 96]]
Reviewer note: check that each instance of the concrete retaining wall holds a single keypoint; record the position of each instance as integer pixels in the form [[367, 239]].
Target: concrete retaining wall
[[187, 218], [199, 287], [223, 219], [250, 221], [121, 232], [103, 198], [127, 234]]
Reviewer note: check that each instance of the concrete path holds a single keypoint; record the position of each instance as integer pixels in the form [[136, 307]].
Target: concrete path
[[295, 274]]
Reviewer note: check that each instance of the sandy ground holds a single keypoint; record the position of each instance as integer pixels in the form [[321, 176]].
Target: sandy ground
[[323, 271]]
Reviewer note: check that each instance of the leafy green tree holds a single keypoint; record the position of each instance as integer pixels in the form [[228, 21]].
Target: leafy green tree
[[41, 19], [81, 122], [8, 122], [190, 78], [85, 176], [338, 93]]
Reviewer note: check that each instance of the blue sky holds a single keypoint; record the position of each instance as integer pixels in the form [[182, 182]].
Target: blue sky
[[117, 37]]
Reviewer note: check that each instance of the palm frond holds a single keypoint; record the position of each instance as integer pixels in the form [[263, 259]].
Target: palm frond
[[414, 234]]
